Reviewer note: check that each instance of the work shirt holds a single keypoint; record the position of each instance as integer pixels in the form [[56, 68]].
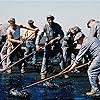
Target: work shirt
[[95, 31], [91, 47], [52, 32]]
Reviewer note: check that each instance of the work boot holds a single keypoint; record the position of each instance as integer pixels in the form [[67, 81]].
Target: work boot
[[66, 76], [99, 82], [43, 76], [23, 68], [9, 71], [93, 93]]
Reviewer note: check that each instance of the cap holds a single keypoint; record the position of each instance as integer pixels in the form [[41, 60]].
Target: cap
[[91, 20], [78, 36], [11, 20], [51, 17], [30, 21]]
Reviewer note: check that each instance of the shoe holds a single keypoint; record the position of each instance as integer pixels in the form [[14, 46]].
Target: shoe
[[99, 82], [93, 93], [66, 76], [23, 69], [9, 71], [43, 76]]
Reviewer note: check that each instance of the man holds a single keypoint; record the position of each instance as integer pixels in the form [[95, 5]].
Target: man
[[54, 34], [68, 46], [3, 35], [94, 28], [30, 42], [91, 47], [13, 39]]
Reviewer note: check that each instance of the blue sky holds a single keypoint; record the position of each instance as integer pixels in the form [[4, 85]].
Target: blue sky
[[67, 13]]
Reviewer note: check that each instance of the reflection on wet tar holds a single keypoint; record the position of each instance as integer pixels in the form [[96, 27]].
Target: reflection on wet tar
[[72, 88]]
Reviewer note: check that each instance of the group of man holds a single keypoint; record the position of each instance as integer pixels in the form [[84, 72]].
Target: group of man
[[73, 42]]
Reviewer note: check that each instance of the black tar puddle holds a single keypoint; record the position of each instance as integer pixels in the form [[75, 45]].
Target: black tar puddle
[[73, 88]]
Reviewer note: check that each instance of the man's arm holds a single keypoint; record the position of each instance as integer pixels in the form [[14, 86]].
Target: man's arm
[[25, 27]]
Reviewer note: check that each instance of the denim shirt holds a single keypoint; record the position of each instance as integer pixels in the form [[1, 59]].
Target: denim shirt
[[91, 47]]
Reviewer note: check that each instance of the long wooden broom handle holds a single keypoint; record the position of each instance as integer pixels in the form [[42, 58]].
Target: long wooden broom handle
[[53, 77], [9, 67]]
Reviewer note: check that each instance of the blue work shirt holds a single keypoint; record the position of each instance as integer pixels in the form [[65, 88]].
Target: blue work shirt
[[91, 47]]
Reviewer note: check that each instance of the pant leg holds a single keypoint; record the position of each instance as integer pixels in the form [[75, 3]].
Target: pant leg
[[9, 49], [27, 48], [4, 54], [45, 62], [34, 54], [93, 72], [66, 61], [30, 45], [20, 54]]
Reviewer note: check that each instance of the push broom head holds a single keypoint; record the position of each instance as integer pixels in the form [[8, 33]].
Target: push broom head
[[23, 94]]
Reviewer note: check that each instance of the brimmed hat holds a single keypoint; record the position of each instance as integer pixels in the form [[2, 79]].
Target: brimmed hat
[[11, 20], [51, 17], [78, 36], [30, 21]]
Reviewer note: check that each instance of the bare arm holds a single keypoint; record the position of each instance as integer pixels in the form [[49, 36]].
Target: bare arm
[[25, 27]]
